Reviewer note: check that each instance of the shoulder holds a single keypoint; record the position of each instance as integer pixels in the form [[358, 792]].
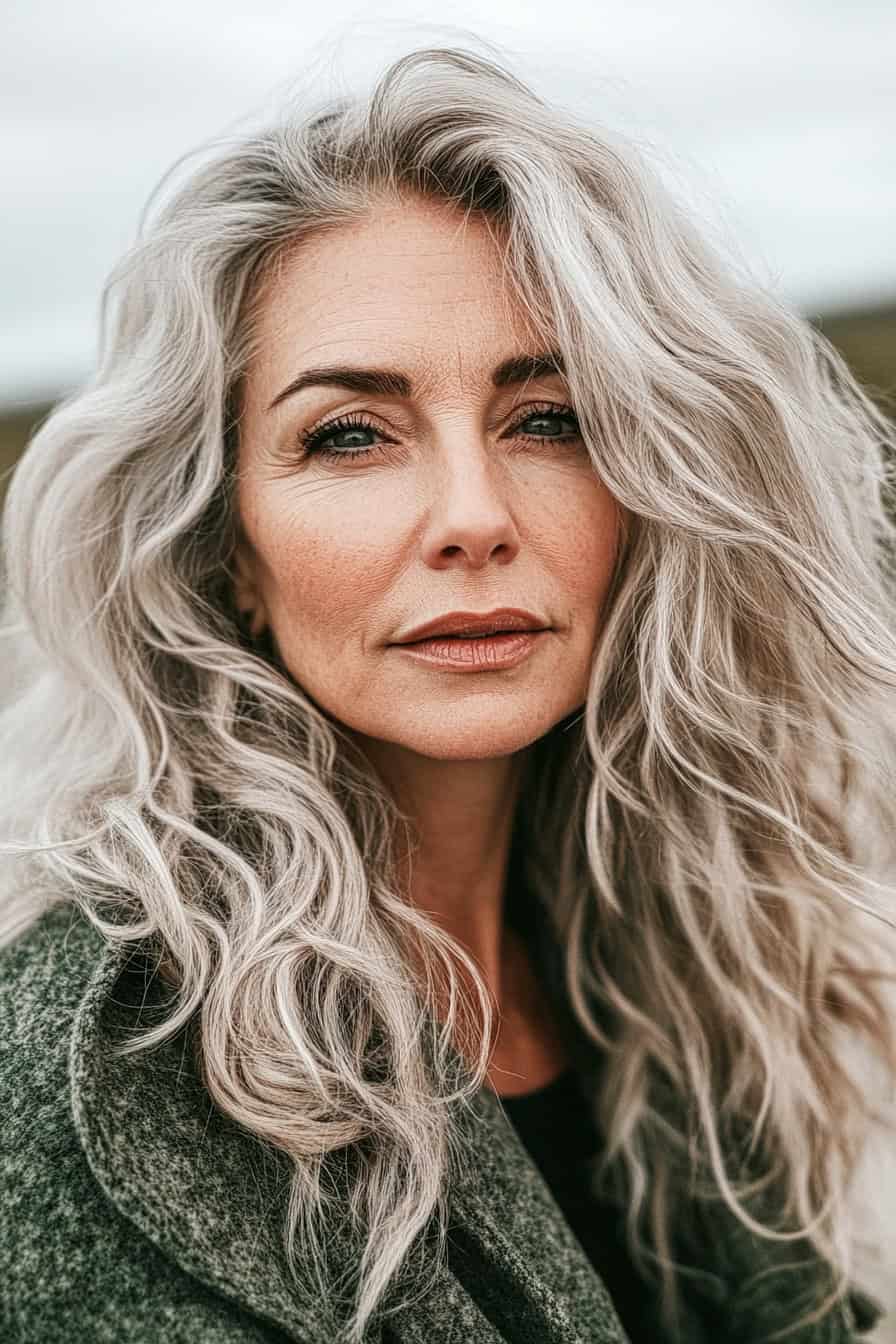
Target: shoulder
[[43, 976], [71, 1266], [45, 970]]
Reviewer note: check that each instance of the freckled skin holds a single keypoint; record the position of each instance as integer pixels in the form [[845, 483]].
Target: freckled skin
[[454, 516], [451, 510]]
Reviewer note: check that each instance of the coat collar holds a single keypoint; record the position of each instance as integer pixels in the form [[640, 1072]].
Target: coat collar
[[213, 1198]]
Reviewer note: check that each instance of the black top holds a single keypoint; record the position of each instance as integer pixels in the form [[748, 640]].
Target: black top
[[556, 1127]]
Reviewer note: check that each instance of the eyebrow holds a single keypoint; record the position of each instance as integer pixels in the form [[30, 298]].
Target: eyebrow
[[392, 383]]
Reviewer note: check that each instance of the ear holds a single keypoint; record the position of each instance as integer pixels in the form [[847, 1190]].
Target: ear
[[246, 594]]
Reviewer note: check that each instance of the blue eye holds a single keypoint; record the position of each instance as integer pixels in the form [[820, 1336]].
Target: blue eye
[[553, 413], [345, 424], [357, 423]]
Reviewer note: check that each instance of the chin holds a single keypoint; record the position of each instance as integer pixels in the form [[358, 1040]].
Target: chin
[[455, 740]]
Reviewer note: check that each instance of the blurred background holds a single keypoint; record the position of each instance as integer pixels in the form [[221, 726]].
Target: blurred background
[[773, 121]]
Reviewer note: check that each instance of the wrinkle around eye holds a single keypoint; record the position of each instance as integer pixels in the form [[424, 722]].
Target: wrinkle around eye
[[290, 453]]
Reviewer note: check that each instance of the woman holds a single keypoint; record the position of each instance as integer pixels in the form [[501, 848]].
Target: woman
[[453, 671]]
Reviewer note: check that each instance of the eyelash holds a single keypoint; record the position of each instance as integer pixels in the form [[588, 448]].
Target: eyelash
[[357, 420]]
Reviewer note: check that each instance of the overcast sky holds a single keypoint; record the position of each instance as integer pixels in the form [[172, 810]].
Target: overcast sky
[[775, 118]]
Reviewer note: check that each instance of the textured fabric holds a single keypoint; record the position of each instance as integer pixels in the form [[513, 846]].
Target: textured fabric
[[555, 1124], [134, 1211]]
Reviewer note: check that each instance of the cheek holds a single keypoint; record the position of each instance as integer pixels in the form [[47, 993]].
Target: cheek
[[325, 565], [583, 532], [591, 575]]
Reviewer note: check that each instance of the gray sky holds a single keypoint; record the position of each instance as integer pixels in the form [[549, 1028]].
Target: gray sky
[[773, 119]]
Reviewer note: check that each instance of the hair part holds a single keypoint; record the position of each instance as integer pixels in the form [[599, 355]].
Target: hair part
[[710, 840]]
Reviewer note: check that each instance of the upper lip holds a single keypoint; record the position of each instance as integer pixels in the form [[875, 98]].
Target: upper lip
[[475, 623]]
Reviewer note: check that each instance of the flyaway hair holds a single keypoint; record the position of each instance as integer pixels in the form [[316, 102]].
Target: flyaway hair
[[710, 839]]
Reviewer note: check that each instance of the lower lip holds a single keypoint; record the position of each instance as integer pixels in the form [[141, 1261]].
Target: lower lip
[[487, 653]]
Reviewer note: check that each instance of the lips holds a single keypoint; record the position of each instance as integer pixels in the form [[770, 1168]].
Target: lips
[[472, 625], [471, 634]]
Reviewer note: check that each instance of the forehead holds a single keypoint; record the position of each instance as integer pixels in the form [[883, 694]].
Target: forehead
[[420, 284], [425, 238]]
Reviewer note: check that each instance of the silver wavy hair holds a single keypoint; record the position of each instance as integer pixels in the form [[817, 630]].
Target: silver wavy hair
[[710, 839]]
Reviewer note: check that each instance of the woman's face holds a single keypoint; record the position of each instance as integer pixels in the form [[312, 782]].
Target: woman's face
[[455, 494]]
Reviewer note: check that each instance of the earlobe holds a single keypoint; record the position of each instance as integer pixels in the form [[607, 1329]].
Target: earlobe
[[253, 620], [246, 597]]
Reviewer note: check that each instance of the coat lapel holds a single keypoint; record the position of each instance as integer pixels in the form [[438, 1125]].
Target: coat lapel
[[514, 1248], [194, 1183]]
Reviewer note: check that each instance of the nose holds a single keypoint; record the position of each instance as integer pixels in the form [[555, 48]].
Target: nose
[[469, 516]]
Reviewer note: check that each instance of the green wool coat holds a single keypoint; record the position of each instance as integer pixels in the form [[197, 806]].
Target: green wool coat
[[134, 1212]]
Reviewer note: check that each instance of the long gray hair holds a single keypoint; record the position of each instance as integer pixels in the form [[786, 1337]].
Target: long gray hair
[[709, 839]]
